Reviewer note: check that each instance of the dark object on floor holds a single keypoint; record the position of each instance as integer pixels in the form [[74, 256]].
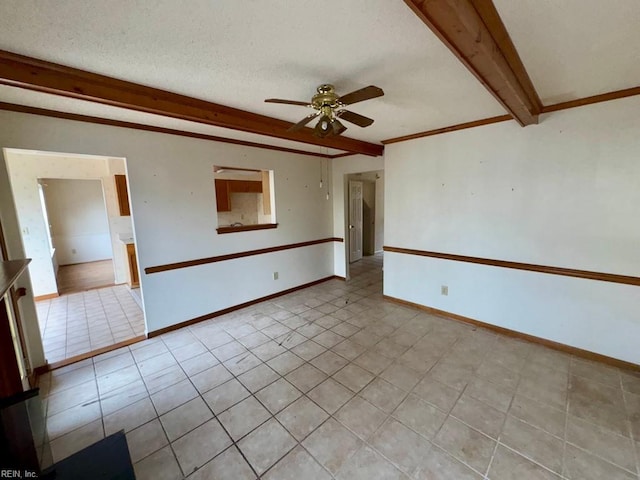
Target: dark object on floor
[[107, 459]]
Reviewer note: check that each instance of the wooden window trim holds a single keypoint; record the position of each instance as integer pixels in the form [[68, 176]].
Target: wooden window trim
[[246, 228]]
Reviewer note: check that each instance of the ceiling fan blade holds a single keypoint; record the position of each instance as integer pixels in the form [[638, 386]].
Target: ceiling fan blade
[[355, 118], [287, 102], [303, 122], [360, 95]]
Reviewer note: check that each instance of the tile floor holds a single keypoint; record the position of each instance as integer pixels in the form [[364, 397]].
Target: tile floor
[[335, 382], [81, 322]]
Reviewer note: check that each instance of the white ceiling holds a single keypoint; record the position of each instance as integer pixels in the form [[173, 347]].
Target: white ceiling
[[575, 48], [239, 52]]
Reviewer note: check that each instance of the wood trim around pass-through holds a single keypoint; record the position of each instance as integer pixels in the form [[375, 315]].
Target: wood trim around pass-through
[[246, 228], [232, 256], [567, 272]]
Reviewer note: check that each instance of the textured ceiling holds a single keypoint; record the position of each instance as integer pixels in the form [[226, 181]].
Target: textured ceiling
[[575, 48], [239, 52]]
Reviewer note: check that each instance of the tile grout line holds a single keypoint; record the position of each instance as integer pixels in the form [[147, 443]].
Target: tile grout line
[[252, 394], [635, 449], [304, 394], [564, 472], [125, 312], [200, 395], [157, 417], [102, 415], [390, 415], [143, 377], [608, 430], [106, 316], [504, 421], [561, 475]]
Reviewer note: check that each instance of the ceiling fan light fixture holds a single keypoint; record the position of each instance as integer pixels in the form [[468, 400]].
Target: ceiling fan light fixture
[[328, 105], [337, 127], [323, 127]]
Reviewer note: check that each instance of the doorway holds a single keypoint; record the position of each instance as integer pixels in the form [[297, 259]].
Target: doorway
[[71, 219], [355, 220], [77, 225], [364, 215]]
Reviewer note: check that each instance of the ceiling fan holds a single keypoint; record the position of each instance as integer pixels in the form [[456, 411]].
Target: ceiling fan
[[329, 106]]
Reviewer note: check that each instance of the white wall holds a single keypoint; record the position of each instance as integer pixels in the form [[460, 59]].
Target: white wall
[[563, 193], [15, 250], [340, 168], [25, 168], [174, 213], [78, 219]]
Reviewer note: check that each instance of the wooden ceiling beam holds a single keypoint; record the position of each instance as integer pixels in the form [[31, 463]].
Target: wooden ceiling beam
[[474, 32], [12, 107], [38, 75]]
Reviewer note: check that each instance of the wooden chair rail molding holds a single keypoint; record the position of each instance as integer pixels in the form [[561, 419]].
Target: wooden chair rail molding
[[578, 352], [567, 272], [231, 256]]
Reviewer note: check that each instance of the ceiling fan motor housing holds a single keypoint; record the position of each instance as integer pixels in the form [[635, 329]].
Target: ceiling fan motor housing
[[329, 106], [326, 97]]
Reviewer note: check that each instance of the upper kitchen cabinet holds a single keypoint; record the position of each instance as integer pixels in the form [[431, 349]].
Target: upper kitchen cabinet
[[223, 195], [123, 195]]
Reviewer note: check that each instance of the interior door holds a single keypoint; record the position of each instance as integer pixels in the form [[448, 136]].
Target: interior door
[[355, 221]]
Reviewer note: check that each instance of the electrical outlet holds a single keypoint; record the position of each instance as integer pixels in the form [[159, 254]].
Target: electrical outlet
[[444, 290], [275, 275], [73, 250]]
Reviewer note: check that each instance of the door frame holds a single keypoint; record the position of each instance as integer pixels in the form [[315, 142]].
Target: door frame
[[352, 175], [351, 224]]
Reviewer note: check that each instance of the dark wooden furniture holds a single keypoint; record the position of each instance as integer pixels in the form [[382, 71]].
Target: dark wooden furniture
[[10, 378], [20, 419]]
